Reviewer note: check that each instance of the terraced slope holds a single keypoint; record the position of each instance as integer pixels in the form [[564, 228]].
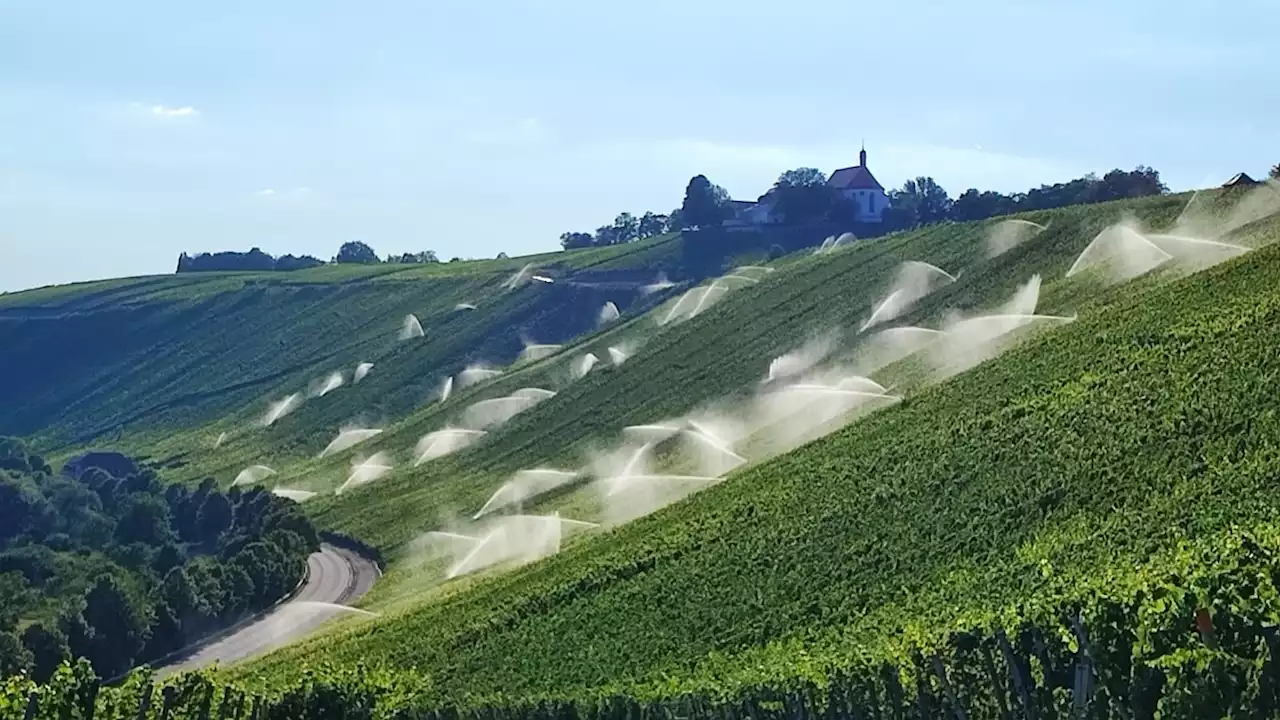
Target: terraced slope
[[722, 354], [1077, 464], [140, 361]]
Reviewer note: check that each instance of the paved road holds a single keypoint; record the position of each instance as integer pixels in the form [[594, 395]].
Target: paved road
[[336, 577]]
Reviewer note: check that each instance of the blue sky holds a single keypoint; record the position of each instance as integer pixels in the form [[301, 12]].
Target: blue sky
[[131, 131]]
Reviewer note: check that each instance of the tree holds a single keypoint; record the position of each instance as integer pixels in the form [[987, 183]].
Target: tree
[[975, 205], [48, 649], [705, 204], [675, 221], [1275, 171], [921, 201], [418, 258], [652, 224], [803, 195], [606, 235], [144, 520], [22, 508], [575, 240], [356, 252], [14, 658], [119, 627], [15, 598], [213, 518], [625, 228]]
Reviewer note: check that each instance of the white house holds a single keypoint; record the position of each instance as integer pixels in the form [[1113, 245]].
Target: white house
[[856, 184], [860, 187]]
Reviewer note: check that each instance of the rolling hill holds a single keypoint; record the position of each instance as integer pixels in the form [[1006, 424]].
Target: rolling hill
[[1058, 435]]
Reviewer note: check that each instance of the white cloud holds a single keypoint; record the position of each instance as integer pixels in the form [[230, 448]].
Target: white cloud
[[296, 192], [166, 111]]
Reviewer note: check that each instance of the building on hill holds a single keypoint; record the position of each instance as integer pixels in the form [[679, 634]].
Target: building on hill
[[746, 213], [1240, 180], [855, 184]]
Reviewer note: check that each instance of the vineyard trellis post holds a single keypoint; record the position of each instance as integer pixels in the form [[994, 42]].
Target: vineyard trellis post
[[997, 685], [941, 672], [1082, 691], [144, 701], [1016, 670], [169, 696]]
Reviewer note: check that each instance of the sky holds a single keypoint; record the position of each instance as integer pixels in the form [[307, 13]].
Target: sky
[[132, 131]]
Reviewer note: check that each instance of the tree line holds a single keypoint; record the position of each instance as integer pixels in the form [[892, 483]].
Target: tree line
[[625, 228], [803, 196], [105, 562], [255, 260]]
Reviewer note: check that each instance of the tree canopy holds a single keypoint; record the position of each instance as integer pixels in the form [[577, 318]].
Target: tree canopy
[[105, 562], [804, 196], [253, 260], [705, 204], [356, 252]]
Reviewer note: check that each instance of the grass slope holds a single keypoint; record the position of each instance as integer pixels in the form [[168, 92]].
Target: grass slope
[[163, 365], [723, 352], [1076, 463]]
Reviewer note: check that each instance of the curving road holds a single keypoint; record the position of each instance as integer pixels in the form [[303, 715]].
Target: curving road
[[336, 577]]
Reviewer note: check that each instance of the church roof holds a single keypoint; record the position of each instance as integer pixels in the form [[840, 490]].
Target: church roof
[[857, 177], [1240, 179]]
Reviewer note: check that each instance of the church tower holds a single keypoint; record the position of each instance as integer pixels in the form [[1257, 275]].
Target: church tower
[[862, 155]]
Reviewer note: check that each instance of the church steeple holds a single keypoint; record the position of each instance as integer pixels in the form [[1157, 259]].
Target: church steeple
[[862, 155]]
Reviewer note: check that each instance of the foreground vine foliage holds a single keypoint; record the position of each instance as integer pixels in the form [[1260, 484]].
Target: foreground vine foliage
[[1196, 639]]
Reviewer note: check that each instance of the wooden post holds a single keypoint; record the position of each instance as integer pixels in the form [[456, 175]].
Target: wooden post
[[224, 710], [90, 700], [1082, 692], [997, 687], [33, 705], [941, 673], [144, 702], [170, 695], [1015, 669], [206, 704]]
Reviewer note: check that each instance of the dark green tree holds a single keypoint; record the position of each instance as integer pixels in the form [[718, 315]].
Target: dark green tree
[[356, 252], [803, 196], [1275, 171], [144, 519], [975, 205], [705, 204], [575, 240], [48, 648], [921, 201], [119, 627], [626, 228], [652, 224], [16, 598], [675, 221], [14, 657], [22, 508], [606, 235], [214, 518]]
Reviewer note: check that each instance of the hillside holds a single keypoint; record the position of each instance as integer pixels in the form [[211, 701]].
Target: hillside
[[129, 361], [1112, 423], [1079, 463]]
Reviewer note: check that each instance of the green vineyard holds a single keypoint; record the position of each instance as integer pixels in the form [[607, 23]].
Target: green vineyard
[[1200, 641]]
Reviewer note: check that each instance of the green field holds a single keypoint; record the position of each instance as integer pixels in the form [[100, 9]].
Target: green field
[[1087, 459]]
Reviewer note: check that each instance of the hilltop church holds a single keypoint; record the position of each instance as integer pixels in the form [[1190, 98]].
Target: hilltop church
[[856, 184]]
